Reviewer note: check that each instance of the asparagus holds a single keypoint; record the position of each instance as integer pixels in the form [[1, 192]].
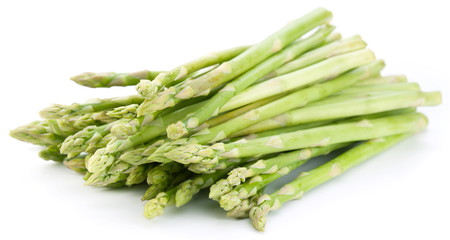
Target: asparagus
[[349, 108], [136, 175], [138, 156], [166, 78], [117, 172], [239, 175], [181, 128], [323, 70], [294, 100], [127, 111], [155, 207], [160, 174], [320, 136], [70, 124], [270, 166], [37, 132], [94, 105], [150, 131], [242, 210], [110, 79], [386, 79], [239, 111], [86, 140], [187, 189], [52, 153], [236, 66], [76, 164], [311, 179], [381, 88], [319, 54]]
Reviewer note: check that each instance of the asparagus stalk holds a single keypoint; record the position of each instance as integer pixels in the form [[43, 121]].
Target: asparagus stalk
[[76, 164], [117, 172], [155, 207], [138, 156], [166, 78], [94, 105], [128, 111], [319, 54], [234, 113], [242, 210], [86, 140], [294, 128], [136, 175], [182, 128], [37, 132], [278, 165], [161, 173], [110, 79], [52, 153], [349, 108], [150, 131], [187, 189], [320, 136], [236, 66], [407, 86], [294, 100], [239, 175], [323, 70], [386, 79], [306, 182]]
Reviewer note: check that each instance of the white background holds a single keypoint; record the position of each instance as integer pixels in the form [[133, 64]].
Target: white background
[[402, 194]]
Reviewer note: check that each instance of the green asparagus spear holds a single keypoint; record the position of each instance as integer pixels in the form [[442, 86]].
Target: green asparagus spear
[[320, 136], [319, 54], [349, 108], [213, 105], [37, 132], [110, 79], [236, 66], [305, 182], [94, 105]]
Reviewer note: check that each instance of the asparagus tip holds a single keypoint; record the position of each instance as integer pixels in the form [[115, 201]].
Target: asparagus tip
[[176, 130]]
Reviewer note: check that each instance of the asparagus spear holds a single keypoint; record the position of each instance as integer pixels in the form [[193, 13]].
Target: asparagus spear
[[270, 166], [323, 70], [181, 128], [52, 153], [242, 210], [386, 79], [37, 132], [319, 54], [86, 140], [76, 164], [320, 136], [236, 66], [166, 78], [239, 175], [110, 79], [136, 175], [407, 86], [127, 111], [155, 207], [187, 189], [306, 182], [151, 131], [93, 105], [349, 108], [294, 100]]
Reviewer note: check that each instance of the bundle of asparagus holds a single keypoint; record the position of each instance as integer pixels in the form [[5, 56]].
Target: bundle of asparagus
[[237, 120]]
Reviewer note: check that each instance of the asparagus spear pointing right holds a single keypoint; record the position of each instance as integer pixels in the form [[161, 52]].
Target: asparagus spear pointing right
[[306, 182]]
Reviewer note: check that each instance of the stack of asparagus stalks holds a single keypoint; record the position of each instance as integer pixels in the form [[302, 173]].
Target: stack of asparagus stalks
[[236, 120]]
